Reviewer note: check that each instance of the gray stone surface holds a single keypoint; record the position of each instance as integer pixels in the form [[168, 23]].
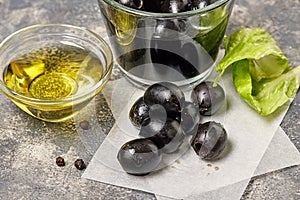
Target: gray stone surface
[[28, 147]]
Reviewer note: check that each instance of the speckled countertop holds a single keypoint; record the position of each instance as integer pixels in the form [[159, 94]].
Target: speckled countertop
[[28, 147]]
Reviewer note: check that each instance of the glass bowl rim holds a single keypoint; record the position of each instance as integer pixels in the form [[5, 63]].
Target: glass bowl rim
[[105, 49], [141, 13]]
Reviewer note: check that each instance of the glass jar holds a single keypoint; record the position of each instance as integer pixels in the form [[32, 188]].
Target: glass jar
[[177, 47]]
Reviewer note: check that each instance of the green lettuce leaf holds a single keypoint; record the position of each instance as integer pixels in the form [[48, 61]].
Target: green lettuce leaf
[[261, 72], [256, 44], [268, 95]]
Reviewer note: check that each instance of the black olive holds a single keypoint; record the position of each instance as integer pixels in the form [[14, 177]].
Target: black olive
[[137, 4], [190, 118], [165, 49], [209, 98], [209, 141], [152, 128], [166, 6], [166, 94], [198, 4], [174, 6], [166, 54], [165, 34], [167, 27], [158, 112], [139, 156], [151, 5], [167, 135], [189, 65], [184, 59], [139, 113]]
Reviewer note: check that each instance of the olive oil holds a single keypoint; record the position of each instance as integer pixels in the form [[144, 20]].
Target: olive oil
[[53, 73]]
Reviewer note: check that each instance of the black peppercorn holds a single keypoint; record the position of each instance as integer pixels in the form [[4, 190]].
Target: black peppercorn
[[79, 164], [85, 125], [60, 161]]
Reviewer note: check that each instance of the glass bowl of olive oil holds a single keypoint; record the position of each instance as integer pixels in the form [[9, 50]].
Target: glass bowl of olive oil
[[52, 71]]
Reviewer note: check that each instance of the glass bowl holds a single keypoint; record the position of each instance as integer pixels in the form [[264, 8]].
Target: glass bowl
[[52, 71], [177, 47]]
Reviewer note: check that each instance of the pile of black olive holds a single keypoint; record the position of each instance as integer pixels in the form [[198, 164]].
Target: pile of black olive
[[165, 119], [166, 6]]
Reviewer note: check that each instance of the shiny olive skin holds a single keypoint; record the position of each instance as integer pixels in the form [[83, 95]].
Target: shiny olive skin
[[209, 99], [151, 5], [180, 57], [174, 6], [199, 4], [166, 135], [139, 113], [166, 94], [166, 6], [152, 128], [139, 156], [190, 118], [145, 5], [190, 62], [131, 3], [209, 141], [164, 51], [168, 27]]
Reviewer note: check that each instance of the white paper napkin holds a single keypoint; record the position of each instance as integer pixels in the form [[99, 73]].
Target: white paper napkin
[[188, 177], [281, 153]]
